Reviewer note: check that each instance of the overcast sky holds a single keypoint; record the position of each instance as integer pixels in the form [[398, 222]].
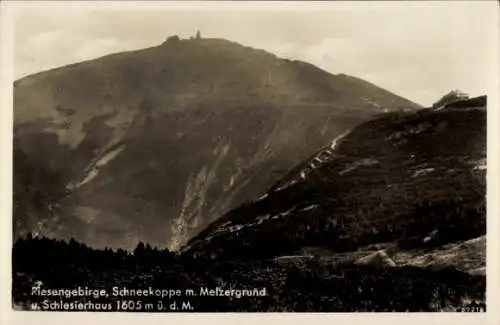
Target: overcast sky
[[418, 50]]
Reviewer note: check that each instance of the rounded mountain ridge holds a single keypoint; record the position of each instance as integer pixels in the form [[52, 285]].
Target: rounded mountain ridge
[[174, 74], [154, 144]]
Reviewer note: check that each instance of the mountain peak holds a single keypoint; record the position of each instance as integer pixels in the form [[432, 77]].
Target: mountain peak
[[165, 139]]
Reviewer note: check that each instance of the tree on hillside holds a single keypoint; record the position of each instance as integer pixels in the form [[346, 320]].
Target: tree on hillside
[[139, 249], [450, 97]]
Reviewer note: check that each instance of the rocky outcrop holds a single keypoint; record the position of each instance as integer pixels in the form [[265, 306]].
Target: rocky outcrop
[[378, 259]]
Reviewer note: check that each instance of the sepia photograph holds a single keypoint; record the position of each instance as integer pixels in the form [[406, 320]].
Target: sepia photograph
[[242, 157]]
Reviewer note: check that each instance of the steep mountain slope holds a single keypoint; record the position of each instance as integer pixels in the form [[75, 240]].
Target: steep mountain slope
[[404, 186], [154, 144]]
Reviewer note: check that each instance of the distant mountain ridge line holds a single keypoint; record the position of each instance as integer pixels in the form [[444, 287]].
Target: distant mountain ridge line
[[198, 41]]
